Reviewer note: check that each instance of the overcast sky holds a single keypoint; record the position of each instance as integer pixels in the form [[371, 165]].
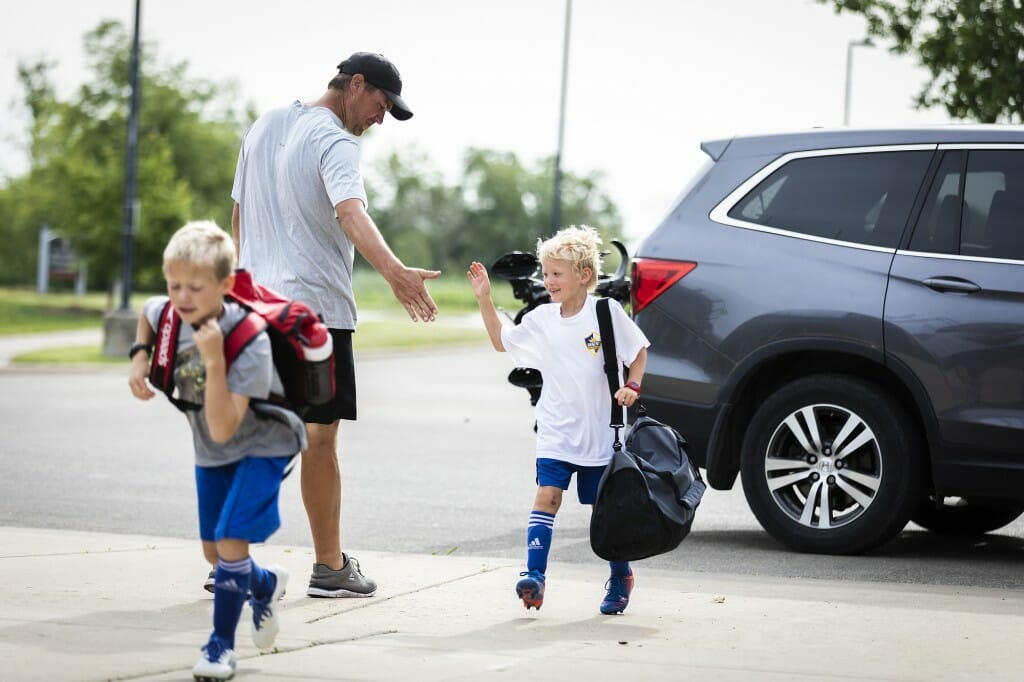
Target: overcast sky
[[648, 79]]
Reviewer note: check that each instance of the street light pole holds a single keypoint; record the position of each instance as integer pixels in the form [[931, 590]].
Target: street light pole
[[849, 72], [130, 165], [556, 195]]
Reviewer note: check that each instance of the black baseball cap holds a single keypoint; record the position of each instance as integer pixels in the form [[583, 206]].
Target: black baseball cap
[[382, 74]]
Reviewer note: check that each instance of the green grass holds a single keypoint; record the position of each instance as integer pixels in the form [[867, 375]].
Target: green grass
[[372, 336], [75, 355], [23, 311], [451, 292]]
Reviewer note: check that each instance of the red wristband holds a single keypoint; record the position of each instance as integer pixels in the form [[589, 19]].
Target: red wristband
[[635, 387]]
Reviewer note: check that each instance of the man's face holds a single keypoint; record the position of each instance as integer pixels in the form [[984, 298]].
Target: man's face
[[366, 106]]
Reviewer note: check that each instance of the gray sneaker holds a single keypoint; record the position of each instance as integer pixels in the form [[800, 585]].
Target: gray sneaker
[[347, 582]]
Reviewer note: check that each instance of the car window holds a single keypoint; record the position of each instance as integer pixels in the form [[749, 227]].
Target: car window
[[994, 197], [938, 226], [989, 221], [864, 198]]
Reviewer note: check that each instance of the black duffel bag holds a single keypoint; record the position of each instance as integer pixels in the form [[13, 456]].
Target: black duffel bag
[[650, 490], [648, 495]]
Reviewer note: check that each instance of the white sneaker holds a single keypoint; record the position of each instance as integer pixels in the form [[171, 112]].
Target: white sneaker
[[216, 663], [265, 623]]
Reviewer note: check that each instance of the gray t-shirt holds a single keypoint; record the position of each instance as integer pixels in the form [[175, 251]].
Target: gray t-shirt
[[295, 165], [267, 430]]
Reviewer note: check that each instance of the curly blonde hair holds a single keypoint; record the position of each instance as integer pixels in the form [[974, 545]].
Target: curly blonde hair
[[579, 245]]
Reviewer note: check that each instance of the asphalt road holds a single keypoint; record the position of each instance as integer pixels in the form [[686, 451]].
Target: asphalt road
[[439, 461]]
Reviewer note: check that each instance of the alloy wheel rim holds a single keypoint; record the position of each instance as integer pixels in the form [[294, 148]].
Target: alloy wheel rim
[[823, 466]]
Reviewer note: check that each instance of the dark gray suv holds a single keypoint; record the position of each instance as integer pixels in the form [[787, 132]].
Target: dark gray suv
[[839, 316]]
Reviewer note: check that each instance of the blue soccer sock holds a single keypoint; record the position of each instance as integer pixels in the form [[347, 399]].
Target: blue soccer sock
[[230, 589], [262, 582], [538, 540], [619, 568]]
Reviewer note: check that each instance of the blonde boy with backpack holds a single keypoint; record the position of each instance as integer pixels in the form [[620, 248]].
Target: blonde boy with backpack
[[240, 455]]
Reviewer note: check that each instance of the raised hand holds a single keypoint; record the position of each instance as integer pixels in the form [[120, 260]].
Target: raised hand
[[479, 280]]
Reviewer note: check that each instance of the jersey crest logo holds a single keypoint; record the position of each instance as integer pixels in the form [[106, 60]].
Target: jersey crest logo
[[593, 341]]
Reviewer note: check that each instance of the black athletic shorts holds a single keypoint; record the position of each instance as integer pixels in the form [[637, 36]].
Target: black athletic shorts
[[344, 404]]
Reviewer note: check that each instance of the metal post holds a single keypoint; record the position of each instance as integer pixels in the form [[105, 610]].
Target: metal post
[[131, 158], [43, 265], [556, 198], [849, 72]]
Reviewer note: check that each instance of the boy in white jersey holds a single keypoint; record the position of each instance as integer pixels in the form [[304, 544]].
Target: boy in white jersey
[[561, 339], [242, 444]]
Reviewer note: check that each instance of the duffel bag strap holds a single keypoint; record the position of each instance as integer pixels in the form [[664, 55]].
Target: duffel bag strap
[[611, 365]]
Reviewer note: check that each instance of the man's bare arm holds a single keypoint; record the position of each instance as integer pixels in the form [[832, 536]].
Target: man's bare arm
[[408, 284]]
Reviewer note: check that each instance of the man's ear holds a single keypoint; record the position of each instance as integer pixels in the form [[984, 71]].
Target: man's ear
[[357, 81]]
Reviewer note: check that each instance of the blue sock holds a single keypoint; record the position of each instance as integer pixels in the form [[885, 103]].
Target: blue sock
[[538, 540], [619, 568], [232, 584], [262, 582]]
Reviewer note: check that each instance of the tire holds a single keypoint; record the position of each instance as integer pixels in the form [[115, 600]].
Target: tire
[[814, 498], [960, 517]]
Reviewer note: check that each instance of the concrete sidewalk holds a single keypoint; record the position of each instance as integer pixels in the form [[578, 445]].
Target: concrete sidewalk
[[94, 606]]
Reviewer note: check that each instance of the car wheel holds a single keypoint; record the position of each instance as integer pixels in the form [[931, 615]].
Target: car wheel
[[831, 464], [958, 516]]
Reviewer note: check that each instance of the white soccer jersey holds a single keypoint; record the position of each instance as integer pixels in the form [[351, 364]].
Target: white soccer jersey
[[575, 404]]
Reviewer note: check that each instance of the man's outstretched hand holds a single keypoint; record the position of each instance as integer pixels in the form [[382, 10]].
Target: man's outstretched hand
[[410, 289]]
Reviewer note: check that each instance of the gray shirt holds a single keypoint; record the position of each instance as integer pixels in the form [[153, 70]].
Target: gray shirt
[[266, 430], [295, 165]]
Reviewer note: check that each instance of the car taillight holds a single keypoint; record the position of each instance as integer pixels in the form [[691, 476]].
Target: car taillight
[[651, 277]]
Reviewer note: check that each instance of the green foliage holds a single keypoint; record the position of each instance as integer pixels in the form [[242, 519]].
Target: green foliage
[[972, 49], [188, 143], [499, 205], [189, 134]]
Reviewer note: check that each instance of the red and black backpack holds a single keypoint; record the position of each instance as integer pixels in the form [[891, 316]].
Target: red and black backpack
[[300, 343]]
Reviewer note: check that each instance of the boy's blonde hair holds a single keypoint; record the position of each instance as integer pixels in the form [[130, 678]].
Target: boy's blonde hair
[[579, 245], [201, 243]]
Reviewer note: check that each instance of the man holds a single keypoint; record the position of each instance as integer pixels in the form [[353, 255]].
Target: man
[[299, 214]]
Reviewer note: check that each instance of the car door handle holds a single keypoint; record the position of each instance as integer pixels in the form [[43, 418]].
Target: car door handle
[[943, 284]]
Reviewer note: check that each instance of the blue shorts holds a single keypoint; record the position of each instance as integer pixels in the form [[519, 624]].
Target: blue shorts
[[239, 501], [556, 473]]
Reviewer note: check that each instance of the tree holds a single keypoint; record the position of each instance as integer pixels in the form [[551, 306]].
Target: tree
[[415, 209], [188, 141], [189, 135], [508, 207], [972, 49], [498, 205]]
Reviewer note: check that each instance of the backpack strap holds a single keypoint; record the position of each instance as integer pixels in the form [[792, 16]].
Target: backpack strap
[[611, 364], [241, 335], [161, 369]]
